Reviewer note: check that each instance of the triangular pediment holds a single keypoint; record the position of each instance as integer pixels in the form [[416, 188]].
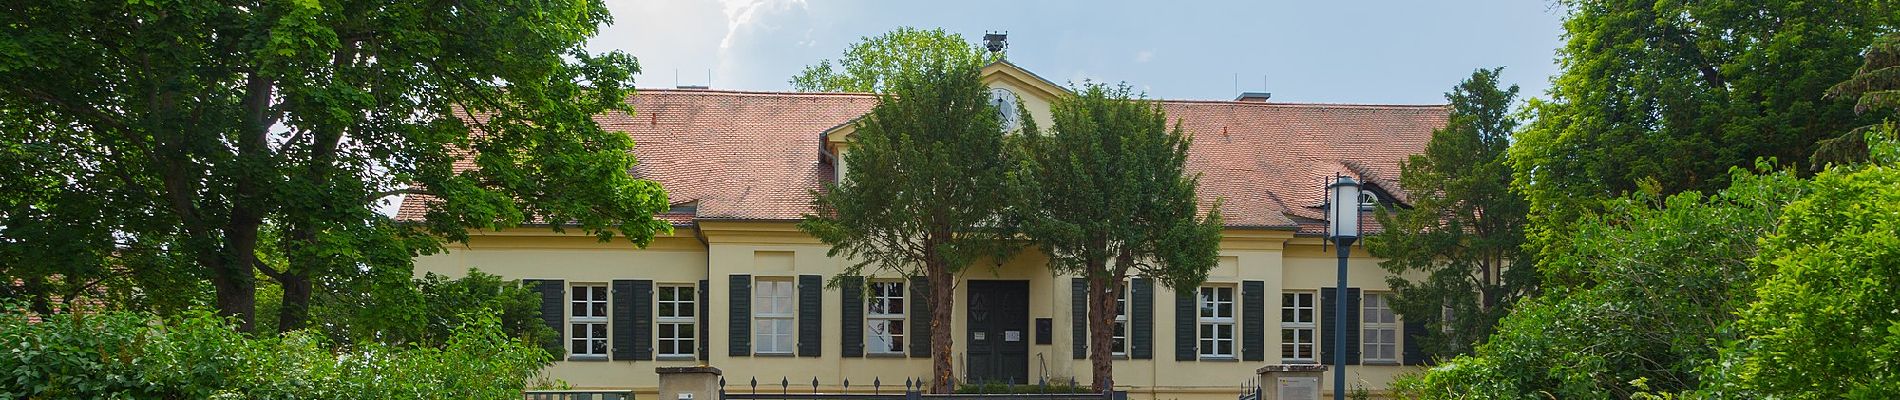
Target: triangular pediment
[[1035, 92]]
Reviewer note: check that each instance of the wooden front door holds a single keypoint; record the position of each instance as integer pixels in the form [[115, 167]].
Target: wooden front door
[[998, 332]]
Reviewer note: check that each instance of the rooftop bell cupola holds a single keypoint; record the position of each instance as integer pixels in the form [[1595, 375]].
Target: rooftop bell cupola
[[995, 42]]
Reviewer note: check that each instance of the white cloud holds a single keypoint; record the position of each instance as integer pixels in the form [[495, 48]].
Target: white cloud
[[743, 13], [1144, 55]]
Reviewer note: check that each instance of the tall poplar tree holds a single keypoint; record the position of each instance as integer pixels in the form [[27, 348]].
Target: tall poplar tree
[[920, 192], [1105, 194], [1465, 230]]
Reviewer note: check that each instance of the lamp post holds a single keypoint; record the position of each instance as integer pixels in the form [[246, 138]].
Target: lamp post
[[1342, 226]]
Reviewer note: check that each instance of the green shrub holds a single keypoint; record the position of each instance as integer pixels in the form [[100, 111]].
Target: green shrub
[[197, 356]]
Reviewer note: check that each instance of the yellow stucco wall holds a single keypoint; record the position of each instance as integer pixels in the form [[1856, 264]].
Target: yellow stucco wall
[[776, 249]]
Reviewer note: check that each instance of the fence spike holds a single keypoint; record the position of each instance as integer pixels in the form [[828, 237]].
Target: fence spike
[[907, 386], [814, 384], [847, 384], [784, 385], [877, 385], [755, 385]]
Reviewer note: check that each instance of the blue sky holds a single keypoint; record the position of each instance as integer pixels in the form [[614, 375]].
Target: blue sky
[[1401, 52]]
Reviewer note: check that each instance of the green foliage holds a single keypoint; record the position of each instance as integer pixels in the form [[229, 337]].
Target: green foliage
[[1825, 325], [1464, 231], [198, 356], [427, 311], [1666, 277], [1876, 85], [1106, 195], [920, 193], [871, 64], [1679, 92], [1106, 192], [165, 144]]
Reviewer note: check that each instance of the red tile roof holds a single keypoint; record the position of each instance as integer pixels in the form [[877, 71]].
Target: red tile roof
[[756, 155]]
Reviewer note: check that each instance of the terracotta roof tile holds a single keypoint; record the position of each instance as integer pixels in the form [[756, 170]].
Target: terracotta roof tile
[[755, 155]]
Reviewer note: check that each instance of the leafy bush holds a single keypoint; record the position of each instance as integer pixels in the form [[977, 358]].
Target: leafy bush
[[197, 355], [1827, 324], [1657, 283]]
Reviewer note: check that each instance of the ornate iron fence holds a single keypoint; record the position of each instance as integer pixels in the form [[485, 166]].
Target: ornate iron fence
[[577, 395]]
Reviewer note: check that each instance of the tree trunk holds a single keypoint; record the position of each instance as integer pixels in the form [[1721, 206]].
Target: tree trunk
[[942, 300], [237, 296], [294, 313], [1102, 290]]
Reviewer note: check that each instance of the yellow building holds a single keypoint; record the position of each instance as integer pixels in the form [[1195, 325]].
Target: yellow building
[[738, 287]]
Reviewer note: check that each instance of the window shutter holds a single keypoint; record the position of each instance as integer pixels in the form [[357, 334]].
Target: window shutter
[[1079, 317], [1253, 321], [705, 308], [1141, 319], [552, 309], [739, 321], [920, 316], [632, 319], [1184, 325], [1328, 306], [1414, 332], [851, 313], [811, 311]]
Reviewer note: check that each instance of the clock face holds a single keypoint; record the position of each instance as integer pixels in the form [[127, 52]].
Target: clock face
[[1005, 102]]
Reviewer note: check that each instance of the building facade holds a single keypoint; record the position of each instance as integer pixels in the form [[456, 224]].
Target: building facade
[[739, 287]]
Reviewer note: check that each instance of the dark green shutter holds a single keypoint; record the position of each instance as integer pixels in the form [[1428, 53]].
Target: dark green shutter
[[1327, 321], [1141, 316], [1253, 321], [1184, 321], [920, 316], [811, 311], [705, 308], [632, 319], [552, 310], [851, 315], [1414, 332], [739, 320], [1079, 318]]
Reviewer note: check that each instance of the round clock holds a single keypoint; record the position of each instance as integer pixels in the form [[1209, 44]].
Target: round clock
[[1005, 102]]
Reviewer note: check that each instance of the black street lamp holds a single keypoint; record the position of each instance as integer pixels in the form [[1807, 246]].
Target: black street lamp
[[1342, 226]]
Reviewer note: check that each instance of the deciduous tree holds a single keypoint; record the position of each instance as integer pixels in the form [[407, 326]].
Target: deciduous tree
[[196, 124], [869, 65]]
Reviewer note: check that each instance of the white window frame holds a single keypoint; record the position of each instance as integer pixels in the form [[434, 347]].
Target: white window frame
[[677, 333], [1118, 340], [587, 324], [878, 309], [1378, 329], [1213, 322], [1304, 313], [770, 309]]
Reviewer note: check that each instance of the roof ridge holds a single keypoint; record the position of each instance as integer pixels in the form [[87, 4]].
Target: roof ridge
[[754, 92], [1302, 105]]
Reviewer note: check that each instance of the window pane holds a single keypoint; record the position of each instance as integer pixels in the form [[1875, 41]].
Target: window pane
[[600, 309], [600, 346], [579, 346], [580, 309], [600, 293], [666, 294]]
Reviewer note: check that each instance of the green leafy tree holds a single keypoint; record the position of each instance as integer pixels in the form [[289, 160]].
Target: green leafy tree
[[1667, 276], [869, 65], [1679, 92], [425, 311], [920, 191], [1464, 232], [1824, 325], [1105, 195], [193, 125]]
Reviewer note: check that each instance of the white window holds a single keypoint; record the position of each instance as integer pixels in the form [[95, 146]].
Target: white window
[[1118, 343], [772, 316], [884, 318], [678, 328], [1379, 330], [1217, 322], [587, 322], [1296, 327]]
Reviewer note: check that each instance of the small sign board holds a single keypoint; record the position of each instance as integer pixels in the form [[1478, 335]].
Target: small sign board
[[1297, 388]]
